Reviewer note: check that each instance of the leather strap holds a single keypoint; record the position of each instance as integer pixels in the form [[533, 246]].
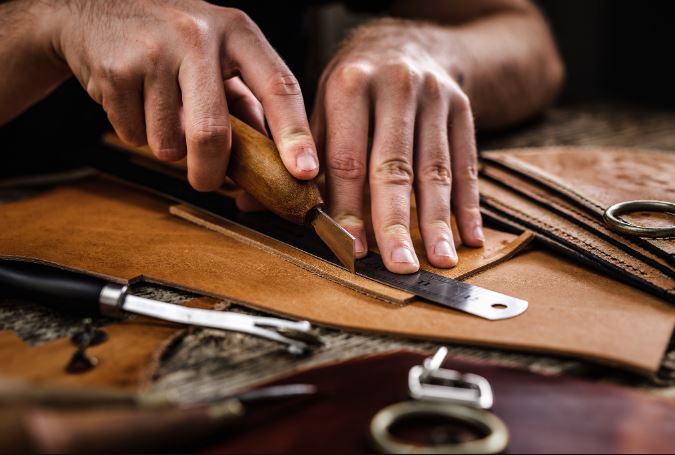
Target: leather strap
[[594, 179]]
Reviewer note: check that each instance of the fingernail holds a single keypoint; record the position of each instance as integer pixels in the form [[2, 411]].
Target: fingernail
[[358, 246], [443, 249], [306, 161], [478, 232], [402, 255]]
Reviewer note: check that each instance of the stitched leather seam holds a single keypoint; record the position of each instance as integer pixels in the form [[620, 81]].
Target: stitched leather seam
[[513, 162], [590, 220], [514, 159], [570, 237]]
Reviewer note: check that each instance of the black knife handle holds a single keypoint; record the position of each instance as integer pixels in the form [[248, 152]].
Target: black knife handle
[[59, 289]]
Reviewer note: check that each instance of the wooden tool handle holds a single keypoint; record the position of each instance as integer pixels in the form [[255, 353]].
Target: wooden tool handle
[[255, 165]]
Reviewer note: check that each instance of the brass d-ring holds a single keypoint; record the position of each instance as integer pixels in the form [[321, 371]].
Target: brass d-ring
[[495, 442], [612, 220]]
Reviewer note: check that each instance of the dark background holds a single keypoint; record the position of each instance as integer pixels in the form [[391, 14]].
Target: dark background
[[617, 52]]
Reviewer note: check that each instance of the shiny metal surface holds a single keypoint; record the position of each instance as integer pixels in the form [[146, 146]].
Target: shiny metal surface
[[340, 242], [612, 220], [115, 298]]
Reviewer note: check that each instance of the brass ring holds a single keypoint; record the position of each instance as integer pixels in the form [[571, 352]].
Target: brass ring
[[495, 442], [612, 220]]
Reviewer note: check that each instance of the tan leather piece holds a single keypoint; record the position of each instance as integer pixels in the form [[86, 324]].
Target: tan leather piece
[[499, 246], [112, 230], [598, 178], [534, 214], [127, 360]]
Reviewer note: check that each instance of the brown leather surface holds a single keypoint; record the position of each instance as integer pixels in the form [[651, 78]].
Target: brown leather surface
[[541, 219], [563, 207], [127, 359], [112, 230], [543, 414], [499, 246], [595, 179]]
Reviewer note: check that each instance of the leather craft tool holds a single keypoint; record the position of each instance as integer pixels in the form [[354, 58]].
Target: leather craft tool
[[440, 392], [117, 160], [83, 294], [255, 165]]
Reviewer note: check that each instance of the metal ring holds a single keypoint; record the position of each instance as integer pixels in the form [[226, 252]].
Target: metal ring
[[495, 442], [612, 220]]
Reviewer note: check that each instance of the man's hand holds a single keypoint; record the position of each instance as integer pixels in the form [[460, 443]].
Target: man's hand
[[168, 73], [387, 80]]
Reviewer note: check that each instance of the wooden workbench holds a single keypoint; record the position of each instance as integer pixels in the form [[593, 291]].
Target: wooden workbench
[[205, 362]]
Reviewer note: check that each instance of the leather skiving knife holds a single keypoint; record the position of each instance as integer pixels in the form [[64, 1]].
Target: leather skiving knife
[[255, 165]]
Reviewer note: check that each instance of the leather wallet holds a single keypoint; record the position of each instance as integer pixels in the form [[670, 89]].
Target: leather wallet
[[561, 193]]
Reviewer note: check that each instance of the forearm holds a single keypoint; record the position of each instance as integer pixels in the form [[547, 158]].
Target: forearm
[[505, 59], [31, 69]]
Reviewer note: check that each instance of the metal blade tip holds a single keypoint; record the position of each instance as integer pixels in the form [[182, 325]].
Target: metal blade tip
[[340, 242]]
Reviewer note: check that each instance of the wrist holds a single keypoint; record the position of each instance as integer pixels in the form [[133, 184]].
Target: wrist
[[47, 19]]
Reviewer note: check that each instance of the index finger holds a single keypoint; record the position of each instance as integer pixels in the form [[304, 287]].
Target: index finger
[[278, 90]]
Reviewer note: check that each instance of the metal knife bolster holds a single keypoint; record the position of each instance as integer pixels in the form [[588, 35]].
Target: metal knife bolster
[[112, 300]]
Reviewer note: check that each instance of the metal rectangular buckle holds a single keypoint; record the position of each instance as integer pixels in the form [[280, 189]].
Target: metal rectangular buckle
[[455, 387]]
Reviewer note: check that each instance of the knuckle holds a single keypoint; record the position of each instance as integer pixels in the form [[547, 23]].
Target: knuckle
[[283, 83], [468, 172], [431, 86], [117, 73], [154, 53], [461, 103], [241, 21], [396, 228], [394, 171], [192, 29], [209, 132], [349, 79], [345, 166], [438, 171], [402, 75]]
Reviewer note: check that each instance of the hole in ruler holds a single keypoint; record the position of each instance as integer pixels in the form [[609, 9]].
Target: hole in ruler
[[499, 306]]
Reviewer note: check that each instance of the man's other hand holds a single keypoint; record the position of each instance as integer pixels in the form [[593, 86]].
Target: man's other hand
[[385, 81]]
